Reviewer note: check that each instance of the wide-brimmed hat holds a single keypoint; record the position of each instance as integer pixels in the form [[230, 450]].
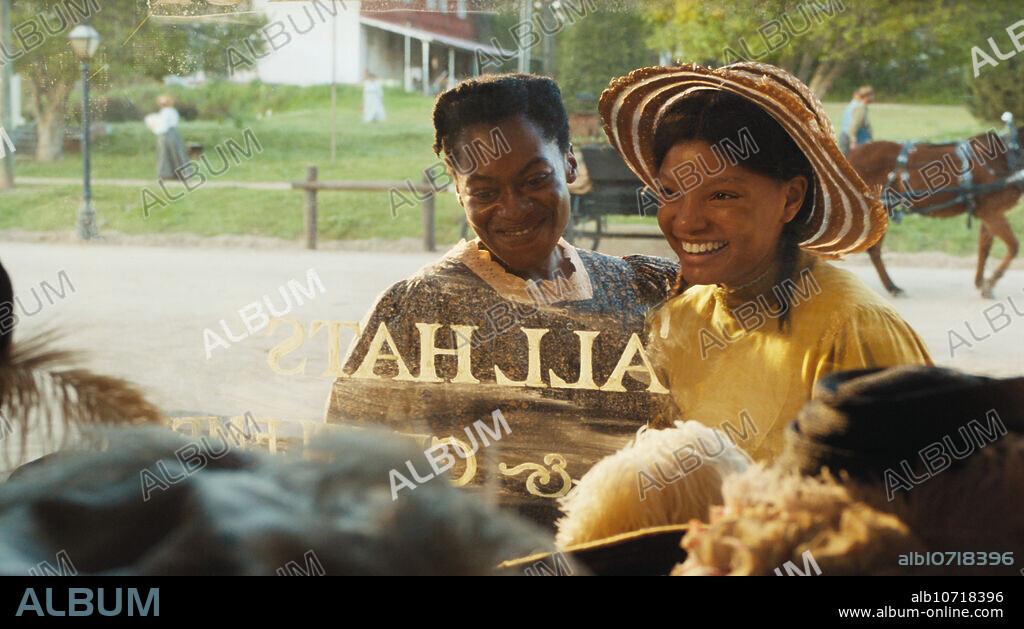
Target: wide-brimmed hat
[[651, 551], [846, 217]]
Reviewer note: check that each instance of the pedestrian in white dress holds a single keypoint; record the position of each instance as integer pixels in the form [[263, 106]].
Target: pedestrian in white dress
[[171, 155], [373, 99]]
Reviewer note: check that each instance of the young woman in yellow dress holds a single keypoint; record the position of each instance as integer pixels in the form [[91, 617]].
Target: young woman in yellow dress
[[754, 195]]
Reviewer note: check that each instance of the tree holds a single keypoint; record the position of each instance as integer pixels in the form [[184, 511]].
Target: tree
[[132, 47], [584, 62], [814, 39], [997, 83], [997, 90]]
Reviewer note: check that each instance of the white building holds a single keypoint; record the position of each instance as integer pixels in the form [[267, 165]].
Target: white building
[[311, 41]]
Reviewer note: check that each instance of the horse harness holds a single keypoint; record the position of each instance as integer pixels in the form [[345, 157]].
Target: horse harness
[[966, 191]]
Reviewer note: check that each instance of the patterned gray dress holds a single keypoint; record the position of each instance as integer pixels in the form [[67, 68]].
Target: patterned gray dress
[[558, 424]]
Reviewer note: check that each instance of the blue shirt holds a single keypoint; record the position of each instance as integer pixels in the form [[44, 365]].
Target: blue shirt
[[864, 132]]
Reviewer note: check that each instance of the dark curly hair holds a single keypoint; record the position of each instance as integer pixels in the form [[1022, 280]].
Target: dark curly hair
[[714, 115], [494, 98]]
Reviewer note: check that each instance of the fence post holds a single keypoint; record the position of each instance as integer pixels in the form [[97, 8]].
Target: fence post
[[310, 209], [427, 216]]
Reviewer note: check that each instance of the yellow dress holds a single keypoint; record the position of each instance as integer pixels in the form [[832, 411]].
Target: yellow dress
[[728, 365]]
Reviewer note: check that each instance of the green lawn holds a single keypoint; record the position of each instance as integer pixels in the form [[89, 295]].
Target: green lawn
[[395, 150], [291, 140], [933, 123]]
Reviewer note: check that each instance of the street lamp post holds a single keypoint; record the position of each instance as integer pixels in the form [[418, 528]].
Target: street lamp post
[[6, 115], [84, 42]]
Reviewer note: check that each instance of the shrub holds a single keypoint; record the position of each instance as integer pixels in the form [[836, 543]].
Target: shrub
[[188, 111], [998, 89], [585, 63], [219, 100], [106, 109]]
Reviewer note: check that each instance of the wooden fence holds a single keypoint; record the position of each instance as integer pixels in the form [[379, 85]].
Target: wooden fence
[[312, 186]]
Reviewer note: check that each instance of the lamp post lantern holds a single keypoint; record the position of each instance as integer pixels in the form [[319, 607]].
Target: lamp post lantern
[[84, 41]]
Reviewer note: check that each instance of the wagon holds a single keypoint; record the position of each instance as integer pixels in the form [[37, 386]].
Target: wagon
[[613, 190]]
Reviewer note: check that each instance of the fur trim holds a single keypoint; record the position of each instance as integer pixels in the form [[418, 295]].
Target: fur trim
[[772, 517], [663, 477]]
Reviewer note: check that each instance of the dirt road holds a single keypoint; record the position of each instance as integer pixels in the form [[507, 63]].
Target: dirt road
[[140, 312]]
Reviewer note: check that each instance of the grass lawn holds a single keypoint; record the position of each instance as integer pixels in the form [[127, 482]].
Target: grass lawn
[[290, 140], [395, 150]]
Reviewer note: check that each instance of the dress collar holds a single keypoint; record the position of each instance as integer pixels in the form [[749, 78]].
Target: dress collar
[[576, 287], [763, 285]]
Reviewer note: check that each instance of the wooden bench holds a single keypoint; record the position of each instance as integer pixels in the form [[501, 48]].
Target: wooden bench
[[73, 135]]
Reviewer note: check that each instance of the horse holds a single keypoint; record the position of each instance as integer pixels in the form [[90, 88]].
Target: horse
[[980, 176]]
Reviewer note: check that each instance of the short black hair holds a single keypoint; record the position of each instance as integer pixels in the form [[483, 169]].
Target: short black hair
[[494, 98]]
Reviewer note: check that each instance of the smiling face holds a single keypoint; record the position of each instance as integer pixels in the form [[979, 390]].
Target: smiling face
[[518, 204], [726, 227]]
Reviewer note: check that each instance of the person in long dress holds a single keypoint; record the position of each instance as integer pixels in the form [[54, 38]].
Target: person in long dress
[[171, 155]]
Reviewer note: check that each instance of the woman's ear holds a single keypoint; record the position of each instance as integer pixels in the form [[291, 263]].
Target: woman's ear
[[571, 166], [796, 190]]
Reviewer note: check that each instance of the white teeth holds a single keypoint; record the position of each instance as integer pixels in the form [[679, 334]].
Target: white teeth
[[518, 233], [704, 247]]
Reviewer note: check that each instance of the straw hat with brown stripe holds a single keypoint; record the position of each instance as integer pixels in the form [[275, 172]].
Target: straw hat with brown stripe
[[846, 217]]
